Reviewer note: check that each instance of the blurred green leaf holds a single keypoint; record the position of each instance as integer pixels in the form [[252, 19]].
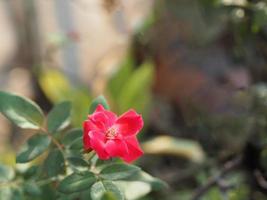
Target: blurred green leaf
[[76, 182], [259, 17], [58, 88], [6, 173], [135, 91], [54, 164], [134, 189], [55, 85], [155, 183], [173, 146], [99, 100], [120, 77], [21, 111], [118, 171], [32, 189], [108, 196], [34, 147], [8, 193], [100, 188], [59, 117], [139, 185]]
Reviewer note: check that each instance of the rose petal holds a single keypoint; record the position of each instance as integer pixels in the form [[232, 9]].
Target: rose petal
[[97, 142], [86, 141], [116, 148], [103, 117], [134, 149], [99, 119], [129, 123]]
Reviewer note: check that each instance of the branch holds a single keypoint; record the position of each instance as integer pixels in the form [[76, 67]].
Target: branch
[[212, 181]]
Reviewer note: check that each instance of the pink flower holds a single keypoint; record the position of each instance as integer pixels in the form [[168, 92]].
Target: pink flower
[[112, 136]]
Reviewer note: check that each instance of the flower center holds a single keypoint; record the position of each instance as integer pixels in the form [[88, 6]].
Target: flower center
[[111, 133]]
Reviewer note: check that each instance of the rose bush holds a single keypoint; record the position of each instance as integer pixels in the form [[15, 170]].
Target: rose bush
[[68, 165]]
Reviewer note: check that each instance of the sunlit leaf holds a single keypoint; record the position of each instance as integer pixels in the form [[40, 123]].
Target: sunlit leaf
[[6, 173], [173, 146], [21, 111], [134, 189], [58, 88], [100, 188], [11, 193]]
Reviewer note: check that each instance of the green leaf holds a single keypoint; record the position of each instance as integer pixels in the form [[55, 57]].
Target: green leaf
[[135, 91], [59, 117], [6, 173], [120, 77], [78, 163], [71, 136], [101, 188], [58, 88], [155, 183], [108, 196], [32, 189], [21, 111], [77, 144], [139, 185], [54, 164], [34, 147], [76, 182], [134, 189], [8, 193], [118, 171], [166, 145], [99, 100]]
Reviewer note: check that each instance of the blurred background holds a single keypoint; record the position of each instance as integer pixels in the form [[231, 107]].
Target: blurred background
[[196, 70]]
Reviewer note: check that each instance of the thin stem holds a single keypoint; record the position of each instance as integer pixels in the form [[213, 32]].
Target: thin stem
[[45, 181], [212, 181], [9, 183], [54, 140]]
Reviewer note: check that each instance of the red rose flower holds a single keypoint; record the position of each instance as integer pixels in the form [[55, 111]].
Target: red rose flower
[[112, 136]]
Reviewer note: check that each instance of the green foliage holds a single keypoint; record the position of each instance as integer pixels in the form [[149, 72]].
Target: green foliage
[[6, 173], [132, 92], [34, 147], [130, 88], [77, 182], [167, 145], [118, 171], [32, 189], [21, 111], [54, 163], [66, 172], [57, 88], [71, 136], [102, 189], [59, 117]]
